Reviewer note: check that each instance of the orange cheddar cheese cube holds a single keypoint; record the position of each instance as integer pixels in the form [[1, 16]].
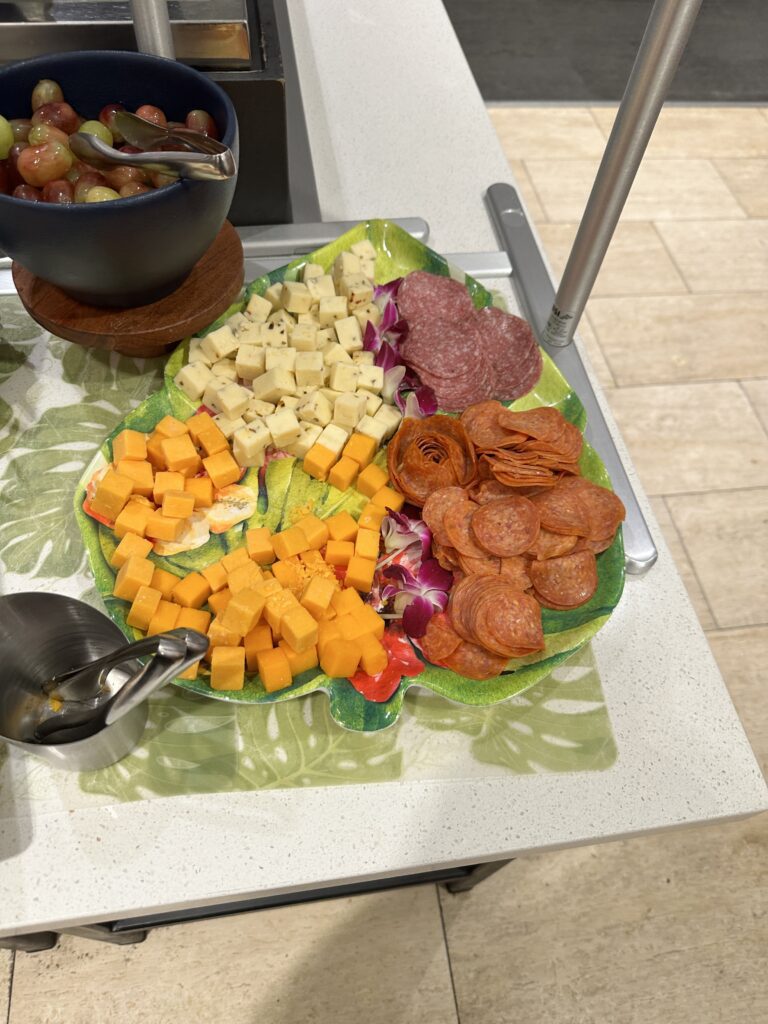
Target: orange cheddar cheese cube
[[155, 452], [165, 481], [201, 489], [269, 586], [360, 573], [222, 469], [129, 444], [213, 440], [299, 629], [142, 474], [318, 461], [143, 607], [343, 473], [169, 426], [315, 531], [341, 526], [215, 576], [327, 633], [258, 544], [227, 668], [299, 662], [166, 616], [371, 480], [197, 423], [311, 557], [131, 544], [339, 552], [351, 627], [181, 455], [244, 577], [133, 519], [387, 498], [367, 544], [218, 636], [289, 542], [329, 613], [234, 559], [112, 492], [373, 657], [164, 582], [194, 618], [371, 517], [276, 607], [274, 669], [219, 601], [135, 572], [340, 658], [161, 527], [360, 448], [191, 672], [371, 619], [191, 592], [243, 611], [178, 504], [347, 601], [285, 572], [259, 639], [317, 594]]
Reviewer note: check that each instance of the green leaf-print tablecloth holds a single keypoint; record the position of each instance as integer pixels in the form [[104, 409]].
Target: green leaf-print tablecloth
[[57, 403]]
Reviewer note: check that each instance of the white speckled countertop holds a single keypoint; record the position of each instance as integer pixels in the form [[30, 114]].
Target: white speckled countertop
[[398, 128]]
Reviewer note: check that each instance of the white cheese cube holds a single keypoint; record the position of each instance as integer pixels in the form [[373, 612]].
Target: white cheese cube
[[211, 394], [197, 353], [348, 410], [363, 359], [307, 318], [304, 337], [281, 317], [236, 321], [228, 426], [310, 369], [344, 376], [363, 250], [248, 446], [325, 335], [331, 310], [220, 343], [283, 425], [192, 379], [331, 395], [321, 288], [334, 353], [273, 293], [311, 270], [348, 333], [308, 436], [275, 335], [288, 402], [371, 427], [305, 389], [390, 417], [344, 264], [370, 311], [225, 368], [233, 400], [333, 437], [250, 334], [371, 379], [357, 289], [250, 361], [258, 308], [257, 410], [372, 403], [368, 269], [315, 408], [273, 385], [279, 358], [295, 297]]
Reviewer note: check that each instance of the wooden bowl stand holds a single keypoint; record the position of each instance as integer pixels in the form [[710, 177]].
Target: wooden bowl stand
[[213, 284]]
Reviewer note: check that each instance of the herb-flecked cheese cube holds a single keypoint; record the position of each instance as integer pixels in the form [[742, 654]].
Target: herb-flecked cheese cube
[[273, 293], [371, 379], [258, 409], [321, 287], [373, 428], [364, 250], [251, 333], [310, 368], [219, 343], [279, 359], [325, 336], [250, 361], [197, 353], [272, 385], [368, 268], [295, 297], [390, 417], [211, 394], [258, 308], [372, 403], [331, 395], [357, 289], [308, 435], [288, 402], [225, 369], [275, 335], [331, 310], [311, 270], [304, 337], [344, 376], [349, 334], [333, 437], [307, 318], [236, 321], [283, 426], [315, 408], [233, 400], [192, 379], [245, 452], [348, 410], [363, 358], [334, 353], [282, 317], [344, 264], [228, 426], [368, 312]]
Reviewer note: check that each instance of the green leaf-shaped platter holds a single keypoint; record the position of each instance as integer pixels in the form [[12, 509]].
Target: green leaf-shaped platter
[[286, 487]]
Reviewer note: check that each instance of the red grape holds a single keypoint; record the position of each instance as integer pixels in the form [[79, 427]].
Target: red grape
[[60, 115], [12, 163], [46, 91], [40, 164], [40, 133], [124, 174], [58, 191], [153, 114], [86, 182], [20, 126], [133, 188], [27, 192], [160, 180], [107, 117], [5, 178], [129, 149], [201, 121]]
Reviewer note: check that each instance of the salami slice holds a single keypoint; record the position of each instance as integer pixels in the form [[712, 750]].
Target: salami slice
[[423, 295], [435, 507], [474, 662], [565, 582], [505, 527], [511, 348], [440, 639]]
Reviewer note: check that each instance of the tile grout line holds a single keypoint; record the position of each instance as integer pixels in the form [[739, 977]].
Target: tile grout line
[[729, 629], [699, 494], [752, 406], [595, 335], [722, 178], [10, 986], [447, 954], [668, 251], [687, 554], [539, 200], [601, 130]]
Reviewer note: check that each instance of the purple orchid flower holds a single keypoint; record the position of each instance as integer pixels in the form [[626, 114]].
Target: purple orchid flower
[[400, 532], [387, 292], [421, 593]]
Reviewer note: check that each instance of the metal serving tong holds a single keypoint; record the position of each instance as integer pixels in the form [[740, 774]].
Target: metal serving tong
[[202, 159]]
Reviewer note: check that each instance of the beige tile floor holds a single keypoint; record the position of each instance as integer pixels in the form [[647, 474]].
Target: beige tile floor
[[661, 930]]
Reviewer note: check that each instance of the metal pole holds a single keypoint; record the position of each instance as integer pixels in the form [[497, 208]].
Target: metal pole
[[152, 27], [666, 35]]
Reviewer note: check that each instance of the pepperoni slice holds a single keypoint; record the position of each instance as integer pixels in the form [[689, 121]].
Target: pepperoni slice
[[509, 623], [565, 582], [435, 507], [506, 527], [487, 564], [595, 546], [552, 545], [544, 423], [446, 556], [440, 639], [481, 422], [489, 490], [474, 662], [515, 571], [456, 522], [562, 510]]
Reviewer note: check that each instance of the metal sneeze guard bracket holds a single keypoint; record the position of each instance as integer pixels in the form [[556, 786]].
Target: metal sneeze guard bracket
[[536, 294]]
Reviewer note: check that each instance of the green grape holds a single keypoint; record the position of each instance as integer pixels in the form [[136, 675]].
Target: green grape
[[101, 194], [46, 91], [6, 137], [98, 129]]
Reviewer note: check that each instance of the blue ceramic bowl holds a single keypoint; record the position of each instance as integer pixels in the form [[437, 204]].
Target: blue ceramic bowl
[[127, 252]]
